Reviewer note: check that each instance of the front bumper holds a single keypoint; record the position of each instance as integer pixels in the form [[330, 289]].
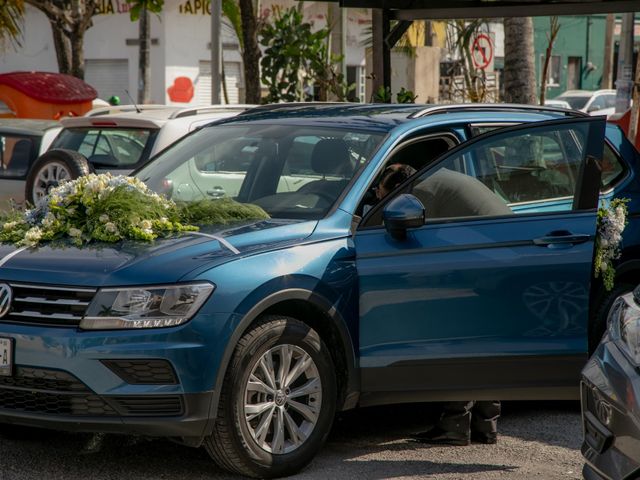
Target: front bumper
[[157, 382], [611, 416]]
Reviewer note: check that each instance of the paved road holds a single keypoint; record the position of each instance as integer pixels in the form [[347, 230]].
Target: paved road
[[537, 441]]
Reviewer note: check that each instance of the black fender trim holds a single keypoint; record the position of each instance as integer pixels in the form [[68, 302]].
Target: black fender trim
[[319, 301]]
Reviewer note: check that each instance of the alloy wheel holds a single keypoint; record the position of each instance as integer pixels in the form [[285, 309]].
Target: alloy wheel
[[49, 177], [282, 399]]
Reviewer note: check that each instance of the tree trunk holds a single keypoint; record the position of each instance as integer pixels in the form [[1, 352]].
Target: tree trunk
[[607, 67], [69, 22], [519, 67], [144, 39], [63, 49], [223, 80], [554, 27], [251, 54], [77, 54]]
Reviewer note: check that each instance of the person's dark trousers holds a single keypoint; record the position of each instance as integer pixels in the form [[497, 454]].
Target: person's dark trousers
[[478, 417]]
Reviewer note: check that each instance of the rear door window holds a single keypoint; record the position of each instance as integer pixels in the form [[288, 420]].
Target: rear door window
[[16, 152]]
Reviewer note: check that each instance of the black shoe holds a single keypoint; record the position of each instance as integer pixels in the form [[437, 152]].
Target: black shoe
[[486, 438], [437, 436]]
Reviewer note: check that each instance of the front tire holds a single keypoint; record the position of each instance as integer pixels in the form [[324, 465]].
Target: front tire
[[277, 402]]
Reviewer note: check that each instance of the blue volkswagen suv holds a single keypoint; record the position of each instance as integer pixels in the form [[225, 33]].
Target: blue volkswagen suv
[[469, 280]]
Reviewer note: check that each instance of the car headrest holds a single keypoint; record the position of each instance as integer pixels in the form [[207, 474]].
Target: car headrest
[[330, 156]]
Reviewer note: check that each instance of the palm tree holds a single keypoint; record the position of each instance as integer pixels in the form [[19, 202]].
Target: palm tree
[[140, 10], [11, 13], [519, 68]]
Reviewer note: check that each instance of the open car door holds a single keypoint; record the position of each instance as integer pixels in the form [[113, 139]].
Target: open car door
[[488, 297]]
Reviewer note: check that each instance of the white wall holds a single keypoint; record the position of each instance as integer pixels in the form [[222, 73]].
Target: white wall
[[107, 40], [37, 51], [188, 34]]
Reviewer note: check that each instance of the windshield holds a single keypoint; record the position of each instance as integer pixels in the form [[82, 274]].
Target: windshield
[[291, 172], [575, 102]]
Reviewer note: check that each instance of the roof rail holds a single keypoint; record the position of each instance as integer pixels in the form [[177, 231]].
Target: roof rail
[[282, 106], [188, 112], [496, 107], [126, 109]]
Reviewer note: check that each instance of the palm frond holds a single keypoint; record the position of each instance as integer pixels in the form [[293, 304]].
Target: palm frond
[[231, 10], [11, 22]]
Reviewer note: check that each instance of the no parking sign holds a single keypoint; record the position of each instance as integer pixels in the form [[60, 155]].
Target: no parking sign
[[482, 52]]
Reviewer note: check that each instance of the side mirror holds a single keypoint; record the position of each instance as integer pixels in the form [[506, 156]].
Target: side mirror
[[403, 212]]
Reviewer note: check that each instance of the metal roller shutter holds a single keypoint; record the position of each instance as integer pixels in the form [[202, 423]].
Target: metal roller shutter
[[108, 77], [232, 80]]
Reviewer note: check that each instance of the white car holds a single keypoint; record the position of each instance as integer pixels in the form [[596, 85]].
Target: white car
[[598, 102], [114, 139], [557, 104]]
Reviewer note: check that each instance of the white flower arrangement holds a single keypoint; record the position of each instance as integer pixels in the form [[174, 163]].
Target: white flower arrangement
[[612, 220], [95, 207], [111, 208]]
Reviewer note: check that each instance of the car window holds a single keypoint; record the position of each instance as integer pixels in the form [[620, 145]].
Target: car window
[[291, 172], [87, 145], [612, 168], [504, 174], [598, 103], [15, 155], [609, 100], [415, 153], [108, 147]]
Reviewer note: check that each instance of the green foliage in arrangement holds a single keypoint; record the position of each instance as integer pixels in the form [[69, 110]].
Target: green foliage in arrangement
[[219, 212]]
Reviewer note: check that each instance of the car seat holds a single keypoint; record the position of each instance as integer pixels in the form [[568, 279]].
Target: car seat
[[330, 157]]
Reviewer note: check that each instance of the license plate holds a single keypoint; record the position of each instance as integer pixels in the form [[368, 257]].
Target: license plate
[[6, 357]]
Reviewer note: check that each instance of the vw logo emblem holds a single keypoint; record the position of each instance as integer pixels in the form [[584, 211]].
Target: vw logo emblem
[[5, 299]]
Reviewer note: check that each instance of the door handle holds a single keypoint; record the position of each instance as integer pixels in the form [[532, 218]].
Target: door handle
[[561, 238], [217, 192]]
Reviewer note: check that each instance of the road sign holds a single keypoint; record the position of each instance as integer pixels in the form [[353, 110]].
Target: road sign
[[482, 52]]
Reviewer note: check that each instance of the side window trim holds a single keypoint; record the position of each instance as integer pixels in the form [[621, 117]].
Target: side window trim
[[473, 127]]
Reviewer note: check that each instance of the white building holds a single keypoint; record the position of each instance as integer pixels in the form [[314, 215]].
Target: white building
[[180, 48]]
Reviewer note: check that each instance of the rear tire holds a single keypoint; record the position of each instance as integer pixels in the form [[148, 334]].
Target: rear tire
[[50, 169], [267, 432]]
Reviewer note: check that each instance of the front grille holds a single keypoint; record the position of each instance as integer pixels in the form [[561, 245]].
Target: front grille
[[39, 379], [143, 372], [47, 305], [53, 392], [50, 392], [149, 405]]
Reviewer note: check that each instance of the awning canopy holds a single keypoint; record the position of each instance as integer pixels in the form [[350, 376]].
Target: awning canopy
[[441, 9]]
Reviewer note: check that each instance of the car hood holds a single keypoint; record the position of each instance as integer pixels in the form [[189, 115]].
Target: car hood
[[165, 260]]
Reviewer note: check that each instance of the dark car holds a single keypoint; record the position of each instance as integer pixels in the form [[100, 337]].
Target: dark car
[[470, 280], [611, 397]]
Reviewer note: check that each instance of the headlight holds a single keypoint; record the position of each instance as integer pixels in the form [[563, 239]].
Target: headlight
[[140, 307], [624, 325]]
